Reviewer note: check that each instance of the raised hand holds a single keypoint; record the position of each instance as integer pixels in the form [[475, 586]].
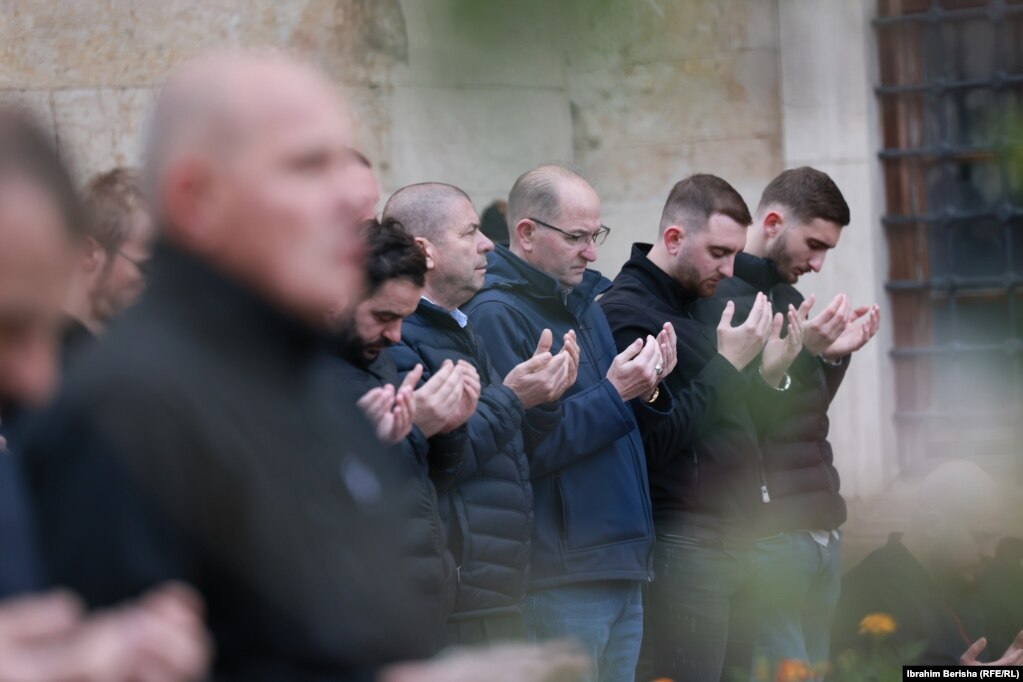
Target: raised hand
[[437, 398], [391, 410], [739, 345], [633, 372], [544, 377], [1012, 656], [822, 331], [467, 402], [861, 327], [161, 636], [779, 353], [668, 341], [571, 347]]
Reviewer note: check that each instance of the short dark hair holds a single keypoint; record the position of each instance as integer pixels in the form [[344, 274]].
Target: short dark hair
[[27, 150], [808, 194], [695, 199], [393, 254], [111, 199]]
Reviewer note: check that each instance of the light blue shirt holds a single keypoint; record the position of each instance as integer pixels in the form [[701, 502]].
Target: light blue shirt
[[461, 318]]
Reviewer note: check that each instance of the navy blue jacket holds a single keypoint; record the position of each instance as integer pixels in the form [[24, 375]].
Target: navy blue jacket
[[488, 506], [797, 459], [589, 475]]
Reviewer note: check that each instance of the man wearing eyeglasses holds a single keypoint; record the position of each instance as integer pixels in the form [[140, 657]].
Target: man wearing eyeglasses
[[111, 272], [592, 532]]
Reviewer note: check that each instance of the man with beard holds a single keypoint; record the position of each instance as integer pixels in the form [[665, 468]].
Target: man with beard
[[488, 508], [425, 423], [705, 476], [800, 217], [434, 411]]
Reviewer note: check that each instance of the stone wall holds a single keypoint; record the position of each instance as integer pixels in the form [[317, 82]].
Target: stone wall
[[637, 93]]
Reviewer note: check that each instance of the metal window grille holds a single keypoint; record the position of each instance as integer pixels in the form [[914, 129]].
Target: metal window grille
[[951, 99]]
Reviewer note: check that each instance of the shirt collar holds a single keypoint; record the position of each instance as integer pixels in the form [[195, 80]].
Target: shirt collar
[[461, 318]]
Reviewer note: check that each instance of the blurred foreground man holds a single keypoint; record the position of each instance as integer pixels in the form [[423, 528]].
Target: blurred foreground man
[[799, 219], [909, 597], [592, 533], [199, 440], [47, 637], [196, 442], [488, 504]]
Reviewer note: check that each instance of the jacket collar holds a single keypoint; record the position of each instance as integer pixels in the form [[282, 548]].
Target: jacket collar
[[434, 315], [660, 283], [505, 270], [759, 272]]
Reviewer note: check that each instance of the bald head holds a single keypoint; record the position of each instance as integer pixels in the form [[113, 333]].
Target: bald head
[[554, 222], [538, 193], [424, 209], [210, 106], [250, 163], [445, 225]]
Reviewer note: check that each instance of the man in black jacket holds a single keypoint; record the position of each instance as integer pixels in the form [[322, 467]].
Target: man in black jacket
[[703, 462], [488, 507], [197, 441], [799, 218], [425, 425]]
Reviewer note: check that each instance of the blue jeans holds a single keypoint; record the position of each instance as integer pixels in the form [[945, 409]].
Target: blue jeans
[[700, 619], [605, 617], [798, 583]]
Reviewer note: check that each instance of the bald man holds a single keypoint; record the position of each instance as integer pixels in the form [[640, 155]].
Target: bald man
[[592, 533], [921, 576], [196, 442], [488, 507]]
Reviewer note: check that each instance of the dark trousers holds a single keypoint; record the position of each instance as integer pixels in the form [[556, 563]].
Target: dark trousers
[[484, 630], [700, 616]]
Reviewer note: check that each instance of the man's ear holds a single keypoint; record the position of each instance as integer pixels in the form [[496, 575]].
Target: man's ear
[[429, 250], [673, 237], [188, 197], [773, 224], [525, 231], [94, 257]]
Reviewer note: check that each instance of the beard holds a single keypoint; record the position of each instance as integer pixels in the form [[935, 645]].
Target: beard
[[353, 348], [689, 277], [783, 263]]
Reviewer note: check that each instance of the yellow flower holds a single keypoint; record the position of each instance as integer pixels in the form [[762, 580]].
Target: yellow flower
[[793, 670], [877, 624]]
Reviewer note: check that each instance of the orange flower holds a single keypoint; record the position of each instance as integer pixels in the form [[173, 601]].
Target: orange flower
[[879, 624], [792, 670]]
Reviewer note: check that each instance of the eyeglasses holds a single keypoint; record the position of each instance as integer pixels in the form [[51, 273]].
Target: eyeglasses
[[596, 238], [143, 266]]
